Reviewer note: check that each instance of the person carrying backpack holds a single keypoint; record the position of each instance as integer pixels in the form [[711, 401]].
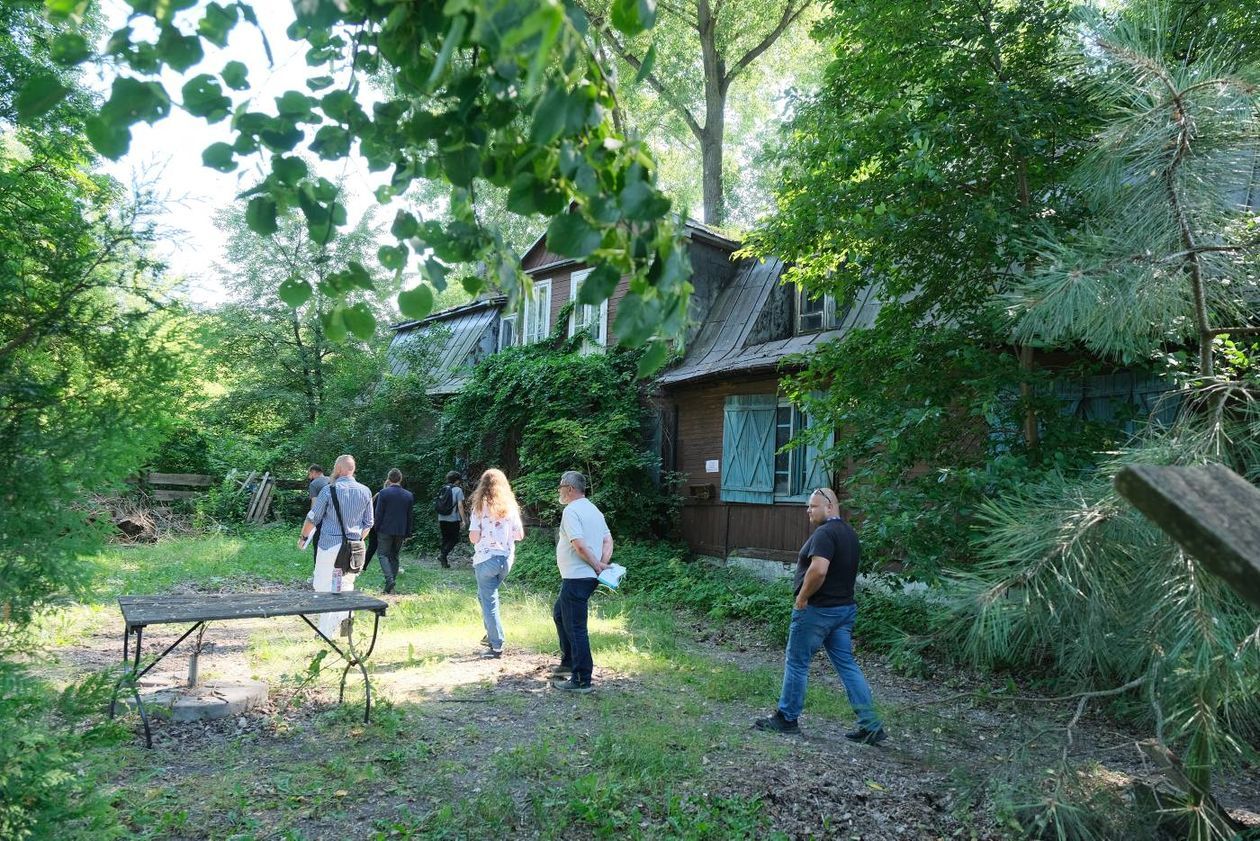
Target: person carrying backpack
[[449, 505]]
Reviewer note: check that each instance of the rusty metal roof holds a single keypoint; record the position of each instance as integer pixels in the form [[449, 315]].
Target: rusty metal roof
[[724, 345]]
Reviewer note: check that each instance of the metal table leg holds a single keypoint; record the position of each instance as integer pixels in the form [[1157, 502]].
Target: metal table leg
[[352, 659], [134, 674]]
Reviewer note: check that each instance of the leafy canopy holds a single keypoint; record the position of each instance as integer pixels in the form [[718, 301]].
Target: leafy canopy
[[497, 92]]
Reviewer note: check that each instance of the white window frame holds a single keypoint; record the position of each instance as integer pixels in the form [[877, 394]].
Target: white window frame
[[587, 314], [828, 313], [537, 313], [503, 322], [797, 470]]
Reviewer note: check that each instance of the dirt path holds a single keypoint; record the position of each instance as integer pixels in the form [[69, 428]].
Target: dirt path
[[927, 781]]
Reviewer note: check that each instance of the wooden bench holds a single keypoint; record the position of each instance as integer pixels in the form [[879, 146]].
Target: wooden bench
[[139, 612]]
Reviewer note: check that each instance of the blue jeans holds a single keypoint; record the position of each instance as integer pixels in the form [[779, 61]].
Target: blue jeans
[[490, 574], [830, 628], [569, 614]]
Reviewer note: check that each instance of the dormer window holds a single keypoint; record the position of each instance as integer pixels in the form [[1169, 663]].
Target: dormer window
[[814, 313]]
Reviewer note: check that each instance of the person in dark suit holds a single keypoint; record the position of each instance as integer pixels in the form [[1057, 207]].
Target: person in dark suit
[[393, 514]]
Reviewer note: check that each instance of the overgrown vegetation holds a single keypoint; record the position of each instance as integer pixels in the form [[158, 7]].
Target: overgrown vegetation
[[665, 574], [538, 410], [93, 367]]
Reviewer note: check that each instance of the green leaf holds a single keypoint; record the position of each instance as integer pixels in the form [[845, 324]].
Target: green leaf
[[358, 275], [520, 199], [435, 273], [405, 225], [177, 50], [112, 138], [331, 143], [416, 303], [462, 165], [219, 156], [569, 235], [132, 100], [360, 321], [58, 9], [288, 171], [217, 23], [640, 202], [633, 16], [653, 358], [39, 95], [550, 116], [281, 136], [645, 66], [392, 257], [69, 48], [260, 215], [338, 105], [335, 323], [295, 292], [599, 285], [318, 83], [235, 75], [204, 98], [294, 105]]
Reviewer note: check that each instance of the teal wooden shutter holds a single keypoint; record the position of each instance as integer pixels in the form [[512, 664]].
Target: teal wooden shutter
[[816, 473], [748, 448]]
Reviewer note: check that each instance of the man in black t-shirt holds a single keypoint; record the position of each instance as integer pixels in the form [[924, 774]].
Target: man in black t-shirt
[[823, 616]]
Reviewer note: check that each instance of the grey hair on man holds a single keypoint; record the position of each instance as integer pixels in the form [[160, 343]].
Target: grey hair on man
[[575, 480], [344, 465]]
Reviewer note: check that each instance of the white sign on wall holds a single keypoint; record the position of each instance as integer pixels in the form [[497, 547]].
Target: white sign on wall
[[711, 466]]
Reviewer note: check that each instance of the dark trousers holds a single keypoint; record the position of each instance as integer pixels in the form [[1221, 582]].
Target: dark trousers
[[569, 614], [390, 548], [450, 536], [373, 544]]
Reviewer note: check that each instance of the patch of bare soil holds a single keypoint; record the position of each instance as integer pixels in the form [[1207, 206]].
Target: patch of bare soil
[[927, 781]]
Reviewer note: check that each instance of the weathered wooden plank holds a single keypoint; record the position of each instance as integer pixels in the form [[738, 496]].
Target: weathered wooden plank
[[1212, 513], [163, 610], [188, 480], [168, 495]]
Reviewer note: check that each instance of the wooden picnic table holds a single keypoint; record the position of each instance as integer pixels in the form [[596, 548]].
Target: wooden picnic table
[[141, 611]]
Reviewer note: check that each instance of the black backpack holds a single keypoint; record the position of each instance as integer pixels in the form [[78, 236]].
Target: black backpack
[[444, 503]]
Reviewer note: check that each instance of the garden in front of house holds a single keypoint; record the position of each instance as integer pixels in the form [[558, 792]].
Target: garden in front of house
[[459, 746]]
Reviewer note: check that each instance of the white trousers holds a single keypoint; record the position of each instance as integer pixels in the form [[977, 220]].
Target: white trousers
[[329, 623]]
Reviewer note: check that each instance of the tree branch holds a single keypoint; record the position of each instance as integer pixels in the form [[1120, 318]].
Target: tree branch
[[635, 62], [790, 13]]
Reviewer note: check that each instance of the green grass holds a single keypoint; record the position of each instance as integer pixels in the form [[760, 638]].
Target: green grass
[[628, 762]]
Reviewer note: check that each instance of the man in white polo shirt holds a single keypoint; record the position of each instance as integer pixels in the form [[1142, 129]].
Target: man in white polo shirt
[[583, 549]]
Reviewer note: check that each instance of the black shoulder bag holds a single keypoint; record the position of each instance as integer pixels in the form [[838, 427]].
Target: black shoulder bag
[[352, 554]]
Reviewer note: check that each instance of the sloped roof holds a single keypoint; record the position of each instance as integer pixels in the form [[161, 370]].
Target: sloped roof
[[691, 230], [467, 341], [723, 344]]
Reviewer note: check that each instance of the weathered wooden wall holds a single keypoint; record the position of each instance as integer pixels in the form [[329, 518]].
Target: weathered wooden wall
[[710, 526]]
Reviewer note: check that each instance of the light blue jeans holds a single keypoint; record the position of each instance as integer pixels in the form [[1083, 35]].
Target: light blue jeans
[[490, 574], [830, 628]]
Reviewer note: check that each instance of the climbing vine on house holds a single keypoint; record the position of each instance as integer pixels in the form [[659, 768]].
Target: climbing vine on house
[[539, 410]]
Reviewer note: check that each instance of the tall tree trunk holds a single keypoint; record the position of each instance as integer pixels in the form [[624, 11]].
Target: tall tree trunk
[[712, 136], [711, 170]]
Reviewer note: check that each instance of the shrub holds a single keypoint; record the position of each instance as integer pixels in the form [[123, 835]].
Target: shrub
[[667, 575], [539, 410]]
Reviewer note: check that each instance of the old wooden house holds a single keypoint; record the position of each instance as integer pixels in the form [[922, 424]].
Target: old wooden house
[[744, 490]]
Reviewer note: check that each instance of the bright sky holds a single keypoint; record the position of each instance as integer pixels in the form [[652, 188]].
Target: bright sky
[[168, 155]]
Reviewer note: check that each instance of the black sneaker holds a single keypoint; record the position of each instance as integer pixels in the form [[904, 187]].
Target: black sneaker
[[867, 737], [776, 723], [572, 685], [491, 654], [560, 670], [485, 640]]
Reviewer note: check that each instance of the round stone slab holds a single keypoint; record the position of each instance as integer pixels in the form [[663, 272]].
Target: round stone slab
[[206, 701]]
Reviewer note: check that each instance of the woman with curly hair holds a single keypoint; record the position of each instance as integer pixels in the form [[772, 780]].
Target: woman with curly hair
[[494, 526]]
